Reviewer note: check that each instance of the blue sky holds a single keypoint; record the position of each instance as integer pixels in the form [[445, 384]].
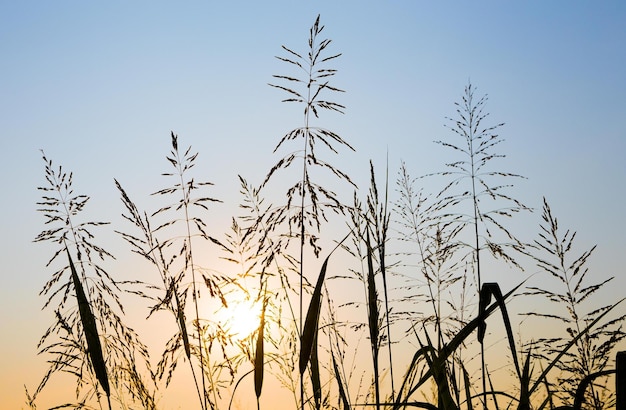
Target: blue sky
[[100, 87]]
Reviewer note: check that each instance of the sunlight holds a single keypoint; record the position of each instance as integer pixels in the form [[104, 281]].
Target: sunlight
[[240, 319]]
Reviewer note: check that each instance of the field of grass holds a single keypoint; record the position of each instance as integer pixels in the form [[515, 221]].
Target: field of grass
[[393, 312]]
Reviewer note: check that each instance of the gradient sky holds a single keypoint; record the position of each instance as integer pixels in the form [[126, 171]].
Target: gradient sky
[[100, 87]]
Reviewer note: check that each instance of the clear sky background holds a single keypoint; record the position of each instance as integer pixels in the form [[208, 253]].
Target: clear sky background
[[99, 87]]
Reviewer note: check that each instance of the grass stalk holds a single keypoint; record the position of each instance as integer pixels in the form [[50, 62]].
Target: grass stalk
[[315, 80], [380, 221], [372, 316], [186, 201]]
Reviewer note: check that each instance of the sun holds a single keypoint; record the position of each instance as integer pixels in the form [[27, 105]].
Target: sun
[[240, 319]]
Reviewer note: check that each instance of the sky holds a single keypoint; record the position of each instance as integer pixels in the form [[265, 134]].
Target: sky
[[99, 88]]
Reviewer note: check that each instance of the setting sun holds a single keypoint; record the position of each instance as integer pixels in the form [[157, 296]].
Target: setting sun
[[240, 318]]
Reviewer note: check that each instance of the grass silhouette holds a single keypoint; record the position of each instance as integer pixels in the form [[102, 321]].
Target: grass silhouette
[[436, 309]]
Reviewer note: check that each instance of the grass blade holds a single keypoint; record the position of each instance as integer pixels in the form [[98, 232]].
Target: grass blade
[[451, 346], [259, 353], [467, 384], [569, 345], [312, 319], [579, 399], [342, 392], [440, 372], [88, 321], [493, 289], [180, 316], [372, 300], [524, 399], [313, 314], [316, 382]]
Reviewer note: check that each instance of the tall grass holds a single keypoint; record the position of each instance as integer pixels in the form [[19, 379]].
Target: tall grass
[[573, 312], [179, 274], [474, 180], [419, 258], [91, 343], [308, 87]]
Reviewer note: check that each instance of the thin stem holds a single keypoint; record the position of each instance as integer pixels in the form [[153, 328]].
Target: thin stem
[[381, 232], [186, 195], [302, 195], [174, 302], [470, 138]]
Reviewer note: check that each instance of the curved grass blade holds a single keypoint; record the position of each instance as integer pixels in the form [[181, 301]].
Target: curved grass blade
[[180, 316], [451, 346], [493, 289], [440, 372], [342, 391], [236, 385], [316, 382], [579, 399], [258, 355], [312, 319], [313, 314], [90, 330], [410, 374], [569, 345]]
